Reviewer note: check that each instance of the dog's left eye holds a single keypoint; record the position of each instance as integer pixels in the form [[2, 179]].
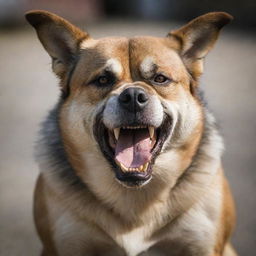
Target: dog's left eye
[[160, 79]]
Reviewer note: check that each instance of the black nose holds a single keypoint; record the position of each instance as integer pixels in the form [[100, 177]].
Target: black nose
[[133, 99]]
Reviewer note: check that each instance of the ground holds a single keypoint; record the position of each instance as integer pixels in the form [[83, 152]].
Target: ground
[[28, 90]]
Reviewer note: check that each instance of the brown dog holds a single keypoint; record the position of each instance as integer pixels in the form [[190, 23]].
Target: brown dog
[[130, 158]]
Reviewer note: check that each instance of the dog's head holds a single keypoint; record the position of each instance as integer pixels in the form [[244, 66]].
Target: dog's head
[[132, 98]]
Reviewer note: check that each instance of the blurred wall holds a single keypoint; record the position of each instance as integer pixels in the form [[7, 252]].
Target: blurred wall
[[12, 11], [244, 11]]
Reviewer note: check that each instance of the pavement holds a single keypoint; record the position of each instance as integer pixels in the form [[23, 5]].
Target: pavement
[[28, 90]]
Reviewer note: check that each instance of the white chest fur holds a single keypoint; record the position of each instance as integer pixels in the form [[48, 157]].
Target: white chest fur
[[135, 241]]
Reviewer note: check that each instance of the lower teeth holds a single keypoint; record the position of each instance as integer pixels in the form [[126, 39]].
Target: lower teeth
[[141, 168]]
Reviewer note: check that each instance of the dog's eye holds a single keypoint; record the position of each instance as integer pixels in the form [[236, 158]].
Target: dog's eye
[[103, 80], [160, 79]]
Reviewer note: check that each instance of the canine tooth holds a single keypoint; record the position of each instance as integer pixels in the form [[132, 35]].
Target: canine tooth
[[151, 131], [116, 133], [141, 168], [145, 167], [125, 169]]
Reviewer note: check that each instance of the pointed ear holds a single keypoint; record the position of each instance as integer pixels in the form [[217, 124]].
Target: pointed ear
[[198, 37], [60, 39]]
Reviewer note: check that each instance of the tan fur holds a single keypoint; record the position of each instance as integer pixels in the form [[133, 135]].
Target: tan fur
[[186, 208]]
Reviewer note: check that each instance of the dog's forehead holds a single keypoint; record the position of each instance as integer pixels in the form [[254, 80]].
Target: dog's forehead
[[109, 47], [141, 52], [147, 53]]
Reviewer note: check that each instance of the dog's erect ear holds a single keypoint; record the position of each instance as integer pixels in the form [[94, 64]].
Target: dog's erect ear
[[60, 38], [198, 37]]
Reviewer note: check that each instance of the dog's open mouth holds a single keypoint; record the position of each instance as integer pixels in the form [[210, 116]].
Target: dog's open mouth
[[132, 146], [131, 149]]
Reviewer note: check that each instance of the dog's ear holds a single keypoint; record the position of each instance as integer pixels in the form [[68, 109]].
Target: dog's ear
[[197, 38], [60, 38]]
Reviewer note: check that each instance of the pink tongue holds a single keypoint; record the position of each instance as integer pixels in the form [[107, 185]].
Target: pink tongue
[[133, 147]]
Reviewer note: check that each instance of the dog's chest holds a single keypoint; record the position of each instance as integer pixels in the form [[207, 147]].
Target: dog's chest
[[135, 241]]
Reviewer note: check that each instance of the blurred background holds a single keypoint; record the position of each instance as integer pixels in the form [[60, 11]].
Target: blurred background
[[28, 90]]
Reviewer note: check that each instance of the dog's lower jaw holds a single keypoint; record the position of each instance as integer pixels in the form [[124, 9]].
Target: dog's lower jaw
[[134, 184]]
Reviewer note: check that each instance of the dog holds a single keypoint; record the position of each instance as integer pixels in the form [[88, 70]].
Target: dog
[[130, 157]]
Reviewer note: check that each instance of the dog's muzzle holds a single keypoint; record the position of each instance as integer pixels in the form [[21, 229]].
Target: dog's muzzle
[[131, 131]]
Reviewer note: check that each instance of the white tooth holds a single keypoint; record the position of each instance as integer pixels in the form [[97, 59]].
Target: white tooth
[[151, 131], [125, 169], [145, 167], [141, 168], [116, 133]]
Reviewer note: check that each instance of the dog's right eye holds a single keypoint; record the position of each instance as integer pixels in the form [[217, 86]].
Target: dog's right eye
[[105, 80]]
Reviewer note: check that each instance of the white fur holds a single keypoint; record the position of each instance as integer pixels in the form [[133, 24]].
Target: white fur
[[115, 66], [135, 242], [147, 65]]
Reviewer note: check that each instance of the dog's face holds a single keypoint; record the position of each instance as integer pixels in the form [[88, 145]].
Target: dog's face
[[132, 98]]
